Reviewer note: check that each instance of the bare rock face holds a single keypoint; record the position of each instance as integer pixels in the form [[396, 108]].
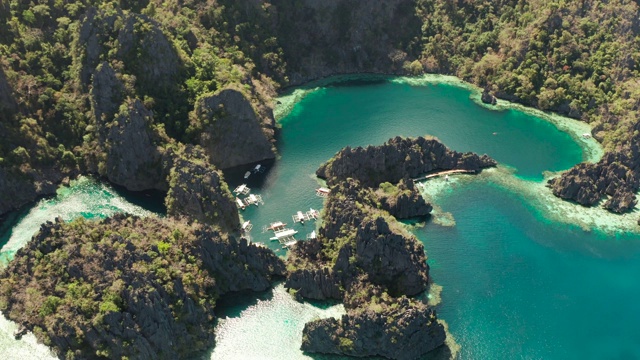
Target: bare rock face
[[616, 175], [404, 201], [392, 328], [107, 94], [487, 98], [390, 258], [133, 160], [396, 159], [231, 132], [127, 287], [197, 190]]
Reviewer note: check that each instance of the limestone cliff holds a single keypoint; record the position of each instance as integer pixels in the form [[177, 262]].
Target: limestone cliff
[[133, 155], [229, 130], [366, 258], [129, 287], [197, 190], [615, 177], [376, 325], [396, 159]]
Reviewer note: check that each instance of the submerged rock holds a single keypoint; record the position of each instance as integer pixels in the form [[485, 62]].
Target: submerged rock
[[129, 287]]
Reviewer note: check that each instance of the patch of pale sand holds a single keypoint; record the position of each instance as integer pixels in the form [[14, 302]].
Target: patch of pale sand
[[544, 203], [286, 102]]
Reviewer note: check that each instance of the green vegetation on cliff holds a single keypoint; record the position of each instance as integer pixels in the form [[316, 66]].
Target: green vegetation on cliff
[[580, 58], [129, 287]]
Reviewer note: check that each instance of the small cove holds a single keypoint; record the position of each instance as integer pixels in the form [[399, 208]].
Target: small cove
[[515, 282]]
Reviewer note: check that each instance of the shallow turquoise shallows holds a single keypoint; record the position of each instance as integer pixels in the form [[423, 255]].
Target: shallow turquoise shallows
[[515, 284]]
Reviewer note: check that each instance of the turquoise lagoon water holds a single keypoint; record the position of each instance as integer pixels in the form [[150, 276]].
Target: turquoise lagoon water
[[516, 283]]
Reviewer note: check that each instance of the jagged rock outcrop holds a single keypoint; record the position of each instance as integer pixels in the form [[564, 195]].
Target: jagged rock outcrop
[[133, 159], [145, 53], [394, 328], [403, 201], [129, 287], [20, 188], [488, 98], [356, 238], [197, 190], [107, 94], [396, 159], [365, 256], [231, 133], [616, 175]]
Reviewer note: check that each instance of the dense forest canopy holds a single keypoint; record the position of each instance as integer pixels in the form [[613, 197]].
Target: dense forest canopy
[[578, 58]]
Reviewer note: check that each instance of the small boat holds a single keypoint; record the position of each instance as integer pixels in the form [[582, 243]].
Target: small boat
[[312, 236], [322, 192], [240, 203], [253, 200], [313, 213], [300, 217], [247, 174], [242, 189], [258, 169], [284, 233], [247, 226], [586, 135], [276, 226], [446, 178]]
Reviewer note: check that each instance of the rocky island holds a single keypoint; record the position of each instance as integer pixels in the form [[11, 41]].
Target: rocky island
[[364, 257], [157, 95], [128, 287]]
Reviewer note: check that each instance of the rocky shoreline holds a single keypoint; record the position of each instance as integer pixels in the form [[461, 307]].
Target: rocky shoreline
[[364, 257], [148, 292]]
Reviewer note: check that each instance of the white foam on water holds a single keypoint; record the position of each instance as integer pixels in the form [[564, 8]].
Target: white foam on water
[[83, 196], [26, 348], [268, 330]]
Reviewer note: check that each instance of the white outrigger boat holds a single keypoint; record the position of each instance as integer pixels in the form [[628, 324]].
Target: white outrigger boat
[[302, 217], [274, 226], [299, 217], [284, 235], [322, 192], [240, 203], [253, 199], [247, 174], [242, 190], [247, 226]]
